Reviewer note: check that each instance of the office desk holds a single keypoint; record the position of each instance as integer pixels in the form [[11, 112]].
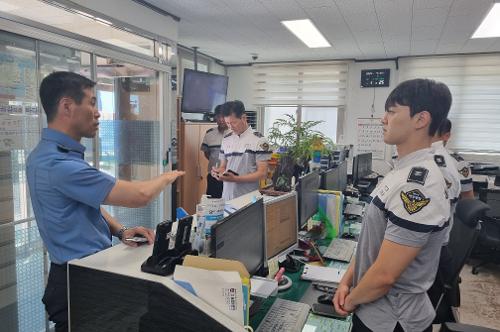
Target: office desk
[[109, 292]]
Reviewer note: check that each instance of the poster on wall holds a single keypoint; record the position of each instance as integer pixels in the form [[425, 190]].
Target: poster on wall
[[371, 137]]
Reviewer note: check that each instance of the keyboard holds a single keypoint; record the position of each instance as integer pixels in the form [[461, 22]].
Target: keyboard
[[285, 316], [340, 249]]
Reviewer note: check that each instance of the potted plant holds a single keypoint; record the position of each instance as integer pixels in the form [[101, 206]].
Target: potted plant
[[295, 143]]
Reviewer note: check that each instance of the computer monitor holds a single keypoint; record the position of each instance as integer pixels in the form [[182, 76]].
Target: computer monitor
[[335, 178], [241, 236], [202, 91], [281, 225], [361, 166], [307, 189]]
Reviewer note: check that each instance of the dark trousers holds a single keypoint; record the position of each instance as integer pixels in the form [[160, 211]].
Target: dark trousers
[[214, 187], [55, 297], [358, 326]]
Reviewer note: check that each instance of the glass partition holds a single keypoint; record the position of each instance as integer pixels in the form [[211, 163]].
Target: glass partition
[[129, 135]]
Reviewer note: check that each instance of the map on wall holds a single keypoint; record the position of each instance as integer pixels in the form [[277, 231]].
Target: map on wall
[[371, 137]]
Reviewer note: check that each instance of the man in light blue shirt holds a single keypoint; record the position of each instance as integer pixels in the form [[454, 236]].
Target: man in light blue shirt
[[67, 193]]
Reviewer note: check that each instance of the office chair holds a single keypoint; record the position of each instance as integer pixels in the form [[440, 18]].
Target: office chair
[[444, 293], [487, 248]]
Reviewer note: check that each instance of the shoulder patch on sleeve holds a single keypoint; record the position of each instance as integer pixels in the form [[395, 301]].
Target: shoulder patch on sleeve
[[439, 159], [418, 175], [414, 200], [256, 133], [264, 146], [228, 134], [464, 171], [457, 157]]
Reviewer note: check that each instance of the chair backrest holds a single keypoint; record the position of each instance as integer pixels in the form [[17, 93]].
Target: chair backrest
[[492, 198], [463, 234]]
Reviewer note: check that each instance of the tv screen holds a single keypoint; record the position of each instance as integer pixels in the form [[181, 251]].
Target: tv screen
[[201, 91]]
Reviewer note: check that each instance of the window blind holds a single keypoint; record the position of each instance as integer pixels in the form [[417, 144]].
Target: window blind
[[304, 84], [474, 81]]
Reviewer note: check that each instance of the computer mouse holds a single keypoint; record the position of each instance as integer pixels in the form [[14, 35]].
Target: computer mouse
[[347, 236], [326, 298]]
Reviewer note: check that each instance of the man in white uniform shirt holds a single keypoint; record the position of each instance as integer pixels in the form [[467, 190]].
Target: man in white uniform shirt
[[243, 155]]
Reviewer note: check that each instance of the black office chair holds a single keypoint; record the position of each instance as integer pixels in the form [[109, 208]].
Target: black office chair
[[487, 248], [445, 294]]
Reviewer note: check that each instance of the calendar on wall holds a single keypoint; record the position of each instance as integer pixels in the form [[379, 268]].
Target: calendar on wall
[[371, 137]]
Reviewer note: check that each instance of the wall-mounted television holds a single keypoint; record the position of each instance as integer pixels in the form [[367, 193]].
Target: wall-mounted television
[[202, 91]]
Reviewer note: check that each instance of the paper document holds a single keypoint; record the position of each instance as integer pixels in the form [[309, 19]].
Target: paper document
[[263, 287], [221, 289], [322, 273]]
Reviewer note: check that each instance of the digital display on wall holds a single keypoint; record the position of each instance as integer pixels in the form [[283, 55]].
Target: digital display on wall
[[372, 78]]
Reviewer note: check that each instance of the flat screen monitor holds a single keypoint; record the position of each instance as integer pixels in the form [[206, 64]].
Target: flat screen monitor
[[308, 196], [201, 91], [335, 178], [361, 166], [241, 236], [281, 225]]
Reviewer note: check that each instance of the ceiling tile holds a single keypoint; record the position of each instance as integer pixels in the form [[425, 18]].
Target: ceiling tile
[[231, 29]]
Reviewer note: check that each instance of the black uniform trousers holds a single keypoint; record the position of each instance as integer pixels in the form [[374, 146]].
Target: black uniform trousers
[[55, 297], [358, 326]]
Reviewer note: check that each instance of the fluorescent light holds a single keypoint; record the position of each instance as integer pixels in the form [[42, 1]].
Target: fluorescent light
[[490, 27], [307, 33]]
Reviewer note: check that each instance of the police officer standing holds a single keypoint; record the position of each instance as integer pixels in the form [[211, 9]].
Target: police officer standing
[[462, 166], [243, 156], [67, 193], [211, 148], [404, 225]]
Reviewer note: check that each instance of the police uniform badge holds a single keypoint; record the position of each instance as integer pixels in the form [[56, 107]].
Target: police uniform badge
[[439, 159], [418, 175], [464, 171], [414, 200]]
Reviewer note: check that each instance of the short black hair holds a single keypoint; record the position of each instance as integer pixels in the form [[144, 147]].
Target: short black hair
[[423, 95], [445, 127], [235, 108], [218, 110], [61, 84]]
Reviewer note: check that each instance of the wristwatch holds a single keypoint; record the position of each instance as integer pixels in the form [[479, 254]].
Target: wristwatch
[[119, 235]]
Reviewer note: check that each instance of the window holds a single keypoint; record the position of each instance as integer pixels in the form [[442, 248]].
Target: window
[[312, 91], [474, 81]]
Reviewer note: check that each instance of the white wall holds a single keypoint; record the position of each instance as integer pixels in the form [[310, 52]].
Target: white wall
[[359, 101], [240, 85], [136, 15]]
